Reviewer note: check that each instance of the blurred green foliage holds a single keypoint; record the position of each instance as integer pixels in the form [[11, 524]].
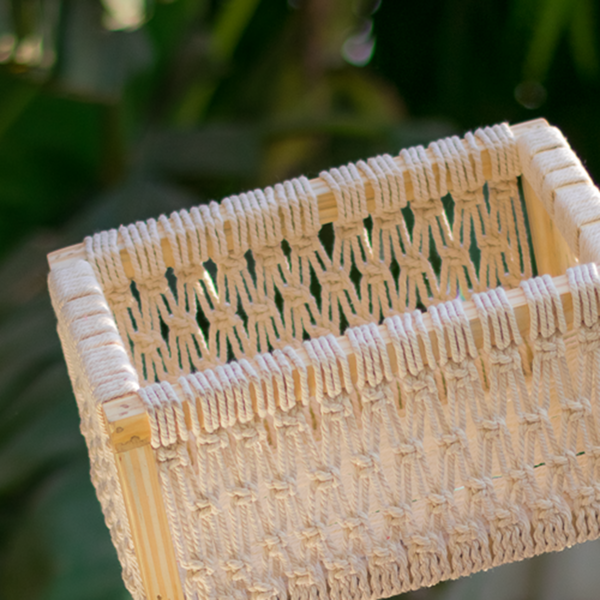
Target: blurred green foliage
[[119, 110]]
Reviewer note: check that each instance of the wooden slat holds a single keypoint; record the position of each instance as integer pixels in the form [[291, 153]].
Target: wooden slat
[[148, 522], [552, 253]]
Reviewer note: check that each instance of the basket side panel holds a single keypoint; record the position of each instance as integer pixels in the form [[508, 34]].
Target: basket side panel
[[99, 370]]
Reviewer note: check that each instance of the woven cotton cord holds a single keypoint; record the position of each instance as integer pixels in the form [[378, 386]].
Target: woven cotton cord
[[581, 428], [504, 201], [333, 483], [388, 566], [468, 539], [230, 467], [100, 371], [425, 547], [431, 223], [550, 376], [506, 513], [299, 209], [294, 452], [353, 249], [391, 239]]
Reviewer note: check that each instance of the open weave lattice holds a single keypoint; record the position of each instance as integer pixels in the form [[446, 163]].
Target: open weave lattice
[[297, 482]]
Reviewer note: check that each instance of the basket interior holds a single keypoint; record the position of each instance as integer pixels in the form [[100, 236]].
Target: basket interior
[[276, 289]]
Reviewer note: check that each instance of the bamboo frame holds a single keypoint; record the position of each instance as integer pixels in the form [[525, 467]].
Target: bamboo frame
[[128, 424]]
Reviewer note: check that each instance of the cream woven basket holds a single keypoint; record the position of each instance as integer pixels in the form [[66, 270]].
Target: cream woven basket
[[270, 414]]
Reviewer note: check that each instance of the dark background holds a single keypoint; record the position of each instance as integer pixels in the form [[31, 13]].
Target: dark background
[[119, 110]]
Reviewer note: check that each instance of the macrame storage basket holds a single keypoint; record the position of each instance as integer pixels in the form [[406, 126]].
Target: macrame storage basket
[[280, 407]]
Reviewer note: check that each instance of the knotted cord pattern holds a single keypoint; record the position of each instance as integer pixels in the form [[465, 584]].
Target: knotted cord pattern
[[300, 480], [278, 281]]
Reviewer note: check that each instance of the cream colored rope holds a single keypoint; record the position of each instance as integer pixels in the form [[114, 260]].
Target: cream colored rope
[[335, 495]]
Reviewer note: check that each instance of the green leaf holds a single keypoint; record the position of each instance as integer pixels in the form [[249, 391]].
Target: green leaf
[[584, 39], [231, 23], [553, 19]]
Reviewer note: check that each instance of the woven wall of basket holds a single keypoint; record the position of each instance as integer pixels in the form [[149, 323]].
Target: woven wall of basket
[[347, 387]]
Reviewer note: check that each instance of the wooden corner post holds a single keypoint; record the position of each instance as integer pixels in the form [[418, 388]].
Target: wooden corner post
[[142, 492]]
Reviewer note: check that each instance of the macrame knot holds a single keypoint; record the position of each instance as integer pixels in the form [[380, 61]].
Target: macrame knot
[[303, 246], [374, 273], [382, 556], [293, 296], [339, 570], [313, 536], [469, 199], [506, 517], [460, 372], [386, 221], [334, 281], [206, 507], [479, 487], [589, 338], [454, 441], [547, 508], [398, 516], [243, 496], [155, 286], [349, 230], [533, 419], [325, 479], [224, 317], [424, 544], [302, 577], [238, 570], [337, 407], [375, 395], [587, 495], [146, 341], [260, 312], [412, 448], [426, 210], [269, 256], [491, 243], [439, 502], [282, 488], [421, 385], [214, 442], [455, 255], [199, 570], [503, 190], [506, 360], [191, 273], [274, 543], [465, 533], [415, 264], [172, 456], [355, 526], [549, 348], [520, 475], [119, 298], [232, 263], [577, 410], [248, 435], [184, 324], [264, 591], [366, 464], [491, 427], [290, 422]]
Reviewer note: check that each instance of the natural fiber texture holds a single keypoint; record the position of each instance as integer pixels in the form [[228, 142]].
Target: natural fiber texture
[[100, 370], [266, 293], [423, 469], [335, 496]]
